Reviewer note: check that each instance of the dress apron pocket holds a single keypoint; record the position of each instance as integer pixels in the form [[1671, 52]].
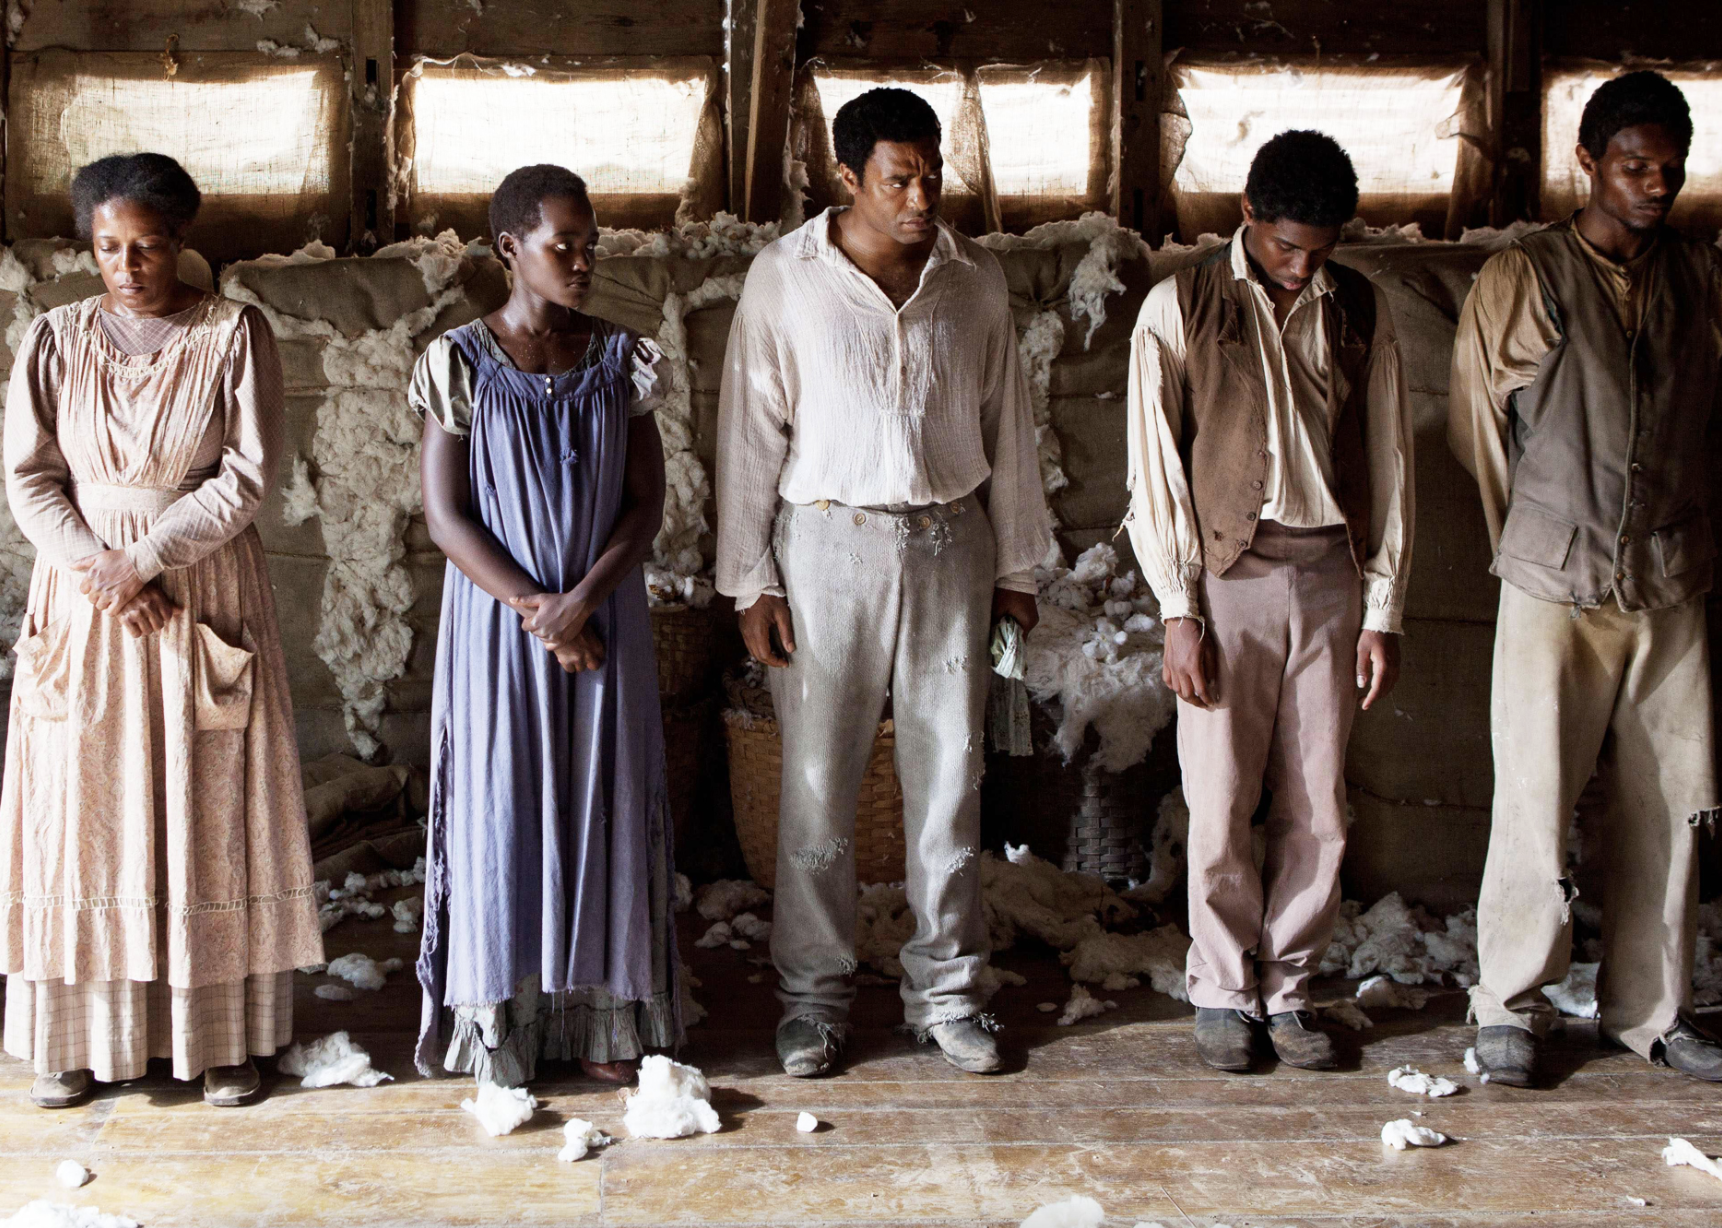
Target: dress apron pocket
[[221, 680], [44, 673]]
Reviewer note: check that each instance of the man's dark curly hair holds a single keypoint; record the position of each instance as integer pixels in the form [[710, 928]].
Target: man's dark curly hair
[[1302, 176], [150, 179], [883, 114], [1627, 101], [515, 206]]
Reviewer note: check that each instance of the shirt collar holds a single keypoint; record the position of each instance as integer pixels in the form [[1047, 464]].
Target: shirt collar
[[816, 243], [1322, 283]]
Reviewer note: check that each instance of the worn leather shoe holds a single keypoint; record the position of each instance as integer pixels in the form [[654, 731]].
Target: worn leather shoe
[[63, 1090], [967, 1045], [1508, 1054], [1300, 1042], [1691, 1052], [808, 1047], [1224, 1038], [228, 1086]]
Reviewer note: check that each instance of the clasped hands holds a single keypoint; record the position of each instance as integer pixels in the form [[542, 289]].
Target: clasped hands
[[559, 621], [112, 584]]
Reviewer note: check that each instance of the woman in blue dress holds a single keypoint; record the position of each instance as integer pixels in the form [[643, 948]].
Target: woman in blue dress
[[549, 901]]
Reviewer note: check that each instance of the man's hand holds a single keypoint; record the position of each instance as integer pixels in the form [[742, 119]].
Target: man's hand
[[109, 580], [581, 653], [555, 618], [1008, 603], [758, 621], [1377, 664], [1188, 664], [147, 612]]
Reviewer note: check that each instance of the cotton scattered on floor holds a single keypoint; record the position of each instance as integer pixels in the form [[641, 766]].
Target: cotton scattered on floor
[[361, 971], [333, 1059], [1167, 856], [724, 899], [746, 925], [806, 1123], [692, 1011], [72, 1174], [1410, 1079], [1108, 958], [672, 1101], [1347, 1013], [1083, 1005], [1471, 1062], [1679, 1151], [353, 897], [335, 993], [1385, 993], [501, 1110], [1077, 1212], [581, 1137], [43, 1214], [717, 936], [1576, 995], [1408, 944], [1406, 1133], [409, 914]]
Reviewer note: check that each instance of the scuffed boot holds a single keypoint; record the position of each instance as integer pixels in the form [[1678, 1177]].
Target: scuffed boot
[[808, 1047], [1508, 1054], [1300, 1042], [1225, 1039], [967, 1044], [62, 1090], [228, 1086], [1692, 1052]]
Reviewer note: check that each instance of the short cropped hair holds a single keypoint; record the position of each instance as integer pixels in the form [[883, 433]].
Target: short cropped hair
[[883, 114], [1642, 97], [1302, 176], [516, 205], [150, 179]]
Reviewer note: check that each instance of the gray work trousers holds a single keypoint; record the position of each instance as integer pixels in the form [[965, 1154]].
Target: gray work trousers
[[897, 603]]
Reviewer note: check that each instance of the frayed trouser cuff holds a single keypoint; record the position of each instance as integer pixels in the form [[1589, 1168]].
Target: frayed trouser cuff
[[924, 1031]]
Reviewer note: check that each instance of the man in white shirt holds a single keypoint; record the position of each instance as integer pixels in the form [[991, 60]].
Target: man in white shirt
[[1271, 511], [879, 505]]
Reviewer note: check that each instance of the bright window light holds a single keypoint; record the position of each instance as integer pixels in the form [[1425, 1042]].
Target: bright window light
[[1393, 123], [1566, 187], [1038, 135], [623, 134], [266, 136]]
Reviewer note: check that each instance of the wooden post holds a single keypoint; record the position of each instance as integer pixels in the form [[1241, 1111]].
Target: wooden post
[[372, 95], [762, 78], [1137, 30], [1515, 109]]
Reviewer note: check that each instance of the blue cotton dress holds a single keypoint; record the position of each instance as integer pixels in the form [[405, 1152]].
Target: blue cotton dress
[[549, 927]]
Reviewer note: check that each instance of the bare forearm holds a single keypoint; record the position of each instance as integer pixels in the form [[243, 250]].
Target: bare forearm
[[481, 558], [630, 545]]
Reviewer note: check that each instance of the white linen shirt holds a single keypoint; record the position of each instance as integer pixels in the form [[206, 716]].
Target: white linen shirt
[[1299, 486], [832, 392]]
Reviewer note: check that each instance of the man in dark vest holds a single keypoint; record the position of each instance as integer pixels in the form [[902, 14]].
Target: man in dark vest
[[1584, 402], [1271, 512]]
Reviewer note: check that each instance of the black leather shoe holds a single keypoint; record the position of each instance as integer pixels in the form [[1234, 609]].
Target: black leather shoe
[[1692, 1052], [808, 1047], [1508, 1054], [1300, 1042], [1225, 1039]]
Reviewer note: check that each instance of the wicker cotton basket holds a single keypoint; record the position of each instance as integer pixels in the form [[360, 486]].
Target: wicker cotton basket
[[756, 777], [683, 638]]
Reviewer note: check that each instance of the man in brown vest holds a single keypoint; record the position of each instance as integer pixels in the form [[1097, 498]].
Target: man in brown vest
[[1271, 512], [1584, 402]]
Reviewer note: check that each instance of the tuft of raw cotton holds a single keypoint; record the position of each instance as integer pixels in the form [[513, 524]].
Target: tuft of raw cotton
[[1166, 850], [1158, 955], [72, 1174], [1079, 1211], [718, 935], [580, 1137], [1025, 895], [1495, 238], [724, 899], [671, 1101], [994, 979], [746, 925], [1083, 1005], [1471, 1063], [684, 892], [1384, 993], [333, 1059], [361, 971], [1576, 994], [1348, 1013], [1096, 274], [1405, 943], [409, 914], [501, 1110], [1406, 1133], [806, 1123], [44, 1214], [335, 993], [1410, 1079], [1679, 1151]]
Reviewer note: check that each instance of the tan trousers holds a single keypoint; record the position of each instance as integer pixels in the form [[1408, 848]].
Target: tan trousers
[[1574, 690], [1284, 621]]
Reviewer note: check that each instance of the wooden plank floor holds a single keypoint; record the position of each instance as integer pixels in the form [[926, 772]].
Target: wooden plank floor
[[1117, 1108]]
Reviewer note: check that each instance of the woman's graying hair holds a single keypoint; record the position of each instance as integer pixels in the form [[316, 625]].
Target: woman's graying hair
[[153, 180]]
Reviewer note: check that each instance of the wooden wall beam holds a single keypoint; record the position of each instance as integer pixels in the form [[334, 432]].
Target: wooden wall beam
[[1137, 82], [373, 93], [1515, 108], [761, 83]]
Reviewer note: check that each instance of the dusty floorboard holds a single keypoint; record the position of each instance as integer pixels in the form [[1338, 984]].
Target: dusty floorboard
[[1116, 1108]]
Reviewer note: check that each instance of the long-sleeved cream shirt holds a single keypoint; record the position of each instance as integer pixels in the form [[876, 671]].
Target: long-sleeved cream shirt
[[1299, 486], [832, 392], [1505, 332]]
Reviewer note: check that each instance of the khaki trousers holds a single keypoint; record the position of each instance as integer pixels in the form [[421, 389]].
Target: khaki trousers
[[1575, 690], [1284, 622]]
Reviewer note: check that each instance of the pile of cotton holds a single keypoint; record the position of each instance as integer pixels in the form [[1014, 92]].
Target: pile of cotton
[[672, 1101], [1405, 943], [331, 1060]]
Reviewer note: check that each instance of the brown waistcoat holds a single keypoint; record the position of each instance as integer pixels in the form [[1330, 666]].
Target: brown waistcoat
[[1609, 448], [1225, 445]]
